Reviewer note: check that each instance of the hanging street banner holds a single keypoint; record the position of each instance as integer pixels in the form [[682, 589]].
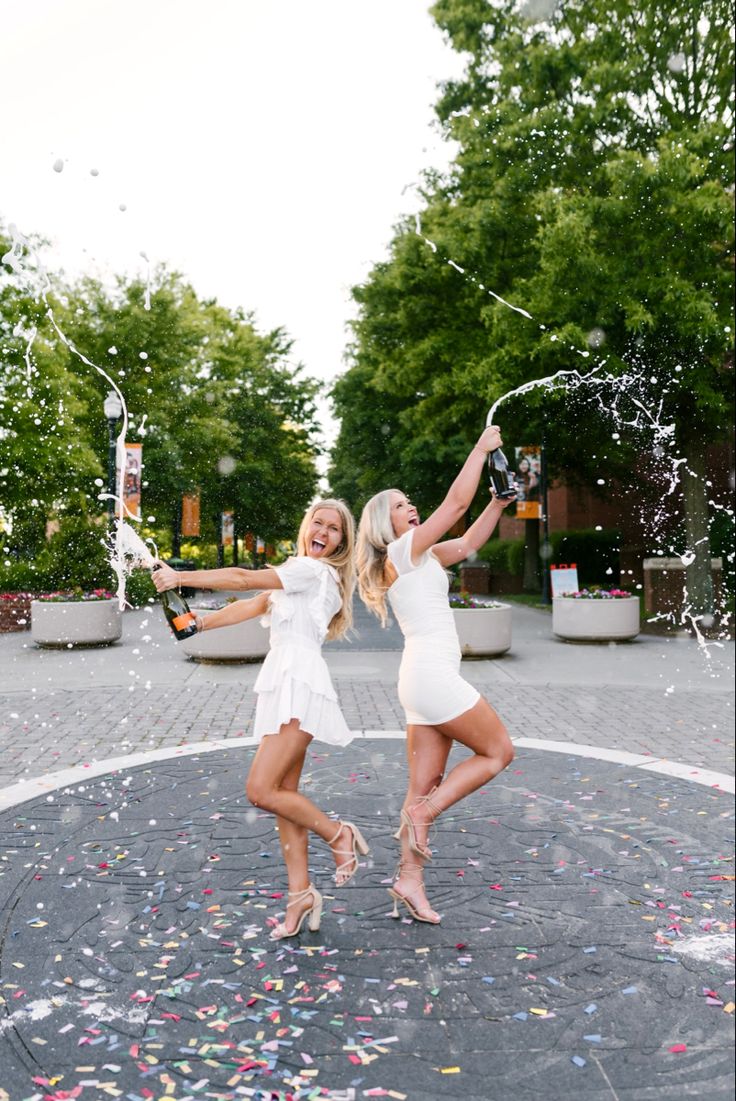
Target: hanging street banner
[[190, 514], [528, 476], [131, 503], [228, 528]]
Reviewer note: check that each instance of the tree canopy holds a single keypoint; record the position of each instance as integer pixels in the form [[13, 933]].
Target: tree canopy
[[593, 189], [218, 406]]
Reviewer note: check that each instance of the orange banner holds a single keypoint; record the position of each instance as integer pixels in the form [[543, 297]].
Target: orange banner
[[228, 528], [190, 514]]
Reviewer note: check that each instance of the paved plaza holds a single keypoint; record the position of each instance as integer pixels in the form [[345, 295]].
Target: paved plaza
[[586, 946]]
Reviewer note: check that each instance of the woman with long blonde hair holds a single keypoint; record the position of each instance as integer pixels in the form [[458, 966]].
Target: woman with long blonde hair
[[309, 599], [401, 559]]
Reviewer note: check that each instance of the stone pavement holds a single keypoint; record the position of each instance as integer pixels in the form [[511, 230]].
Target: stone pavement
[[659, 697], [586, 948]]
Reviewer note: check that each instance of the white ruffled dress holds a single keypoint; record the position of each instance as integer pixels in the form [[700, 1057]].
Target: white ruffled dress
[[294, 681]]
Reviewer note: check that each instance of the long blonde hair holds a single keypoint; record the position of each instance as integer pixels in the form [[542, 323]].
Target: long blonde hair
[[375, 532], [342, 559]]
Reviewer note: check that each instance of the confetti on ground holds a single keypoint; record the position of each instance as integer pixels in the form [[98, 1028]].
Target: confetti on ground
[[148, 974]]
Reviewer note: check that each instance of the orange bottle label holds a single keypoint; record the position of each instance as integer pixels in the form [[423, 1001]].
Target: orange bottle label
[[183, 621]]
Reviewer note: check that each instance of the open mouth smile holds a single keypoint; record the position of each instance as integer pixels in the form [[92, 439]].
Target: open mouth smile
[[317, 546]]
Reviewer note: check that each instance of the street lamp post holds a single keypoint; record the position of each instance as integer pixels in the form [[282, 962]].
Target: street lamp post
[[113, 408], [546, 598]]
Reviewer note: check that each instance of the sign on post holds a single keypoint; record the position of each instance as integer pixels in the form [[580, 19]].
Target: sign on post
[[228, 528], [564, 579]]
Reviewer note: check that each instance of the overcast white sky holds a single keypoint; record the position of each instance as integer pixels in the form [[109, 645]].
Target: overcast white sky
[[261, 147]]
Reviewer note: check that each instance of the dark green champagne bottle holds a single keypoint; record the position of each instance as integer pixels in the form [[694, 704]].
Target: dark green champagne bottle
[[502, 479], [182, 622]]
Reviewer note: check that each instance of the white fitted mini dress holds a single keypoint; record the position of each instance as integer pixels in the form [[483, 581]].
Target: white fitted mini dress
[[294, 681], [431, 690]]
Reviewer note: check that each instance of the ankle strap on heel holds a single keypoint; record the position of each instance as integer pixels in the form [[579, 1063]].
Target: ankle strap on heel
[[404, 865], [429, 802], [297, 896]]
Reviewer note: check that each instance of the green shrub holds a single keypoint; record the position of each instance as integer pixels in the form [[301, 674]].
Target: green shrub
[[593, 552], [503, 555], [204, 554], [75, 557], [23, 577], [139, 588]]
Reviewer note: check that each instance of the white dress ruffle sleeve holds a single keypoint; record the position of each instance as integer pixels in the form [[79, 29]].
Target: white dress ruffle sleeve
[[294, 681]]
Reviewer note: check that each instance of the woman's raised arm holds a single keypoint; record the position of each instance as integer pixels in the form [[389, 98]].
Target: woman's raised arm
[[459, 495]]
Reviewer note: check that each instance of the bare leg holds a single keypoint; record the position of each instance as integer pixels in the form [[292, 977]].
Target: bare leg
[[275, 758], [427, 750], [481, 730], [294, 847]]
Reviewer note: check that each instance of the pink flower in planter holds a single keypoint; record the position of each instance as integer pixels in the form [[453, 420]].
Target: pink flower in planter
[[594, 593]]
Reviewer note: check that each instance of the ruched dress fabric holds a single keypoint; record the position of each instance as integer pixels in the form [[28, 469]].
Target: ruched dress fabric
[[431, 690], [294, 681]]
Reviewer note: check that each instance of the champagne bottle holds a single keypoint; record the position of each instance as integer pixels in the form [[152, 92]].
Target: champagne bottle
[[182, 622], [502, 479]]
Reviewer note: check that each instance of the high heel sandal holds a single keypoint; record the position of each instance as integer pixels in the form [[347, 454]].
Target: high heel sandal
[[405, 900], [314, 913], [344, 872], [408, 824]]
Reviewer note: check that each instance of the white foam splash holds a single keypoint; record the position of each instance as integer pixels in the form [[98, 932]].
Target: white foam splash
[[21, 258], [634, 385]]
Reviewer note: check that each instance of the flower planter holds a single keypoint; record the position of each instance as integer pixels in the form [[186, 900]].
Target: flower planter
[[585, 620], [242, 642], [62, 623], [483, 632]]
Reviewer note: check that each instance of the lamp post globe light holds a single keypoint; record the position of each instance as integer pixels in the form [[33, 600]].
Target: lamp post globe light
[[113, 408]]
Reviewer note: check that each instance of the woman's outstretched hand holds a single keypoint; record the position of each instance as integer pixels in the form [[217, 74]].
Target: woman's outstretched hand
[[164, 577], [490, 439]]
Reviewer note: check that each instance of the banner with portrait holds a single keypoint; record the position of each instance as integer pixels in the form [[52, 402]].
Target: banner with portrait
[[228, 528], [131, 504], [528, 477]]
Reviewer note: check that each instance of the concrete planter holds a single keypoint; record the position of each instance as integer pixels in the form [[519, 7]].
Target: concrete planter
[[581, 620], [243, 642], [483, 632], [64, 623]]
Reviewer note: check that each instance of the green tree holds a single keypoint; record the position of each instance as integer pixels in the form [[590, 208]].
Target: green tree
[[217, 405], [591, 188], [45, 464]]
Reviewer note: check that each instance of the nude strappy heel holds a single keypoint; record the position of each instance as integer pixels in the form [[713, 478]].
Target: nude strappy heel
[[419, 914], [344, 872], [314, 913], [408, 824]]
